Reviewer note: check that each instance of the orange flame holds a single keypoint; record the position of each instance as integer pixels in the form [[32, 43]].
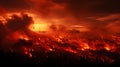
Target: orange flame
[[39, 27]]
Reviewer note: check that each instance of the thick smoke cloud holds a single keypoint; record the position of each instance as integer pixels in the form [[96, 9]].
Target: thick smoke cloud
[[15, 26], [94, 14], [19, 23], [99, 16]]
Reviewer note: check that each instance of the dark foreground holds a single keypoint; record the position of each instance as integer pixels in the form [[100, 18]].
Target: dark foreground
[[53, 60]]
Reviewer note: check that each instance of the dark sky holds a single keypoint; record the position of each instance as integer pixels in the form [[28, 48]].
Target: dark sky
[[76, 7]]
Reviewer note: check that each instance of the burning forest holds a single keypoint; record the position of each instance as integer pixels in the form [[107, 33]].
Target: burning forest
[[53, 33]]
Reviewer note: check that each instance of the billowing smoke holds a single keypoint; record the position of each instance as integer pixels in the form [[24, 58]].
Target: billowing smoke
[[18, 23], [67, 11], [13, 27], [98, 17]]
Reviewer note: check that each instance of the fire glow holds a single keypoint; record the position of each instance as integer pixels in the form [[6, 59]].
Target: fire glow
[[68, 40], [39, 27]]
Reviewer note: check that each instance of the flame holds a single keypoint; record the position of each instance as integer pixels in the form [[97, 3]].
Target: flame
[[65, 40], [85, 46], [39, 27], [24, 37]]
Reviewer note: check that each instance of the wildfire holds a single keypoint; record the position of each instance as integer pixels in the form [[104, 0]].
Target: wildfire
[[67, 40]]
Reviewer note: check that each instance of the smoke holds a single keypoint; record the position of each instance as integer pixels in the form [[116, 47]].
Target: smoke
[[3, 31], [97, 16], [110, 22], [19, 23], [66, 11], [14, 27], [15, 5]]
